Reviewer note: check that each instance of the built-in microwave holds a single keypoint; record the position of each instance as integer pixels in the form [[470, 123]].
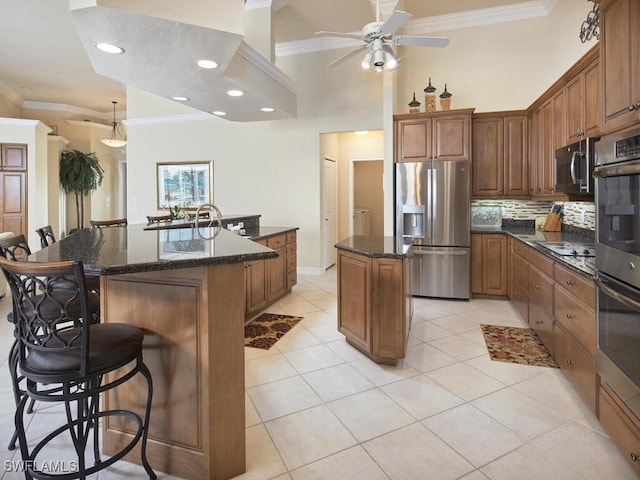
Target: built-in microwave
[[574, 168]]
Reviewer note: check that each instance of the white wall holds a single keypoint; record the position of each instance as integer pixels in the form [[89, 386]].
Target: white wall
[[275, 168]]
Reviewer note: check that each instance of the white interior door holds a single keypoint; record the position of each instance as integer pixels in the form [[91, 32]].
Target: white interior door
[[330, 212]]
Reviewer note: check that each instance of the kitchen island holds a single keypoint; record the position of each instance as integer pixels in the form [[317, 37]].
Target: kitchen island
[[375, 305], [187, 293]]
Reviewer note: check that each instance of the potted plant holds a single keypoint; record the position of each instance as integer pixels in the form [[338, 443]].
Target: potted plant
[[81, 174]]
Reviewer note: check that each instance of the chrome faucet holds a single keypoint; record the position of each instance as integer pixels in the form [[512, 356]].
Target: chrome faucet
[[217, 218]]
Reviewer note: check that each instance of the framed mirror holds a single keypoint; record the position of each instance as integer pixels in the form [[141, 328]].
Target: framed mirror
[[186, 184]]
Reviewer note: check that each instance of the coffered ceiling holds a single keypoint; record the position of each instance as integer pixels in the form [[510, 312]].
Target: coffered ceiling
[[44, 64]]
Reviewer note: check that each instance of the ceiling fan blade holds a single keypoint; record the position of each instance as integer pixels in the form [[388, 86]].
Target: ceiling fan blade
[[397, 19], [339, 34], [347, 55], [413, 41]]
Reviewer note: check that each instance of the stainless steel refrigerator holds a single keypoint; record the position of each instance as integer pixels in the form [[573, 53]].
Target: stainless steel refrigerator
[[433, 211]]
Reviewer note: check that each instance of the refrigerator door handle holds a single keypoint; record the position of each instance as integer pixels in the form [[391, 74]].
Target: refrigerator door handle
[[439, 252]]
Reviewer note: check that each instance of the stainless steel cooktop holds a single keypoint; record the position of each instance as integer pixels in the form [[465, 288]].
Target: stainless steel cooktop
[[570, 249]]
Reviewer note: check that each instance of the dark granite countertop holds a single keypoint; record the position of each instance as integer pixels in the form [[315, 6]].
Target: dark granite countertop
[[130, 249], [259, 233], [182, 223], [375, 246], [532, 237]]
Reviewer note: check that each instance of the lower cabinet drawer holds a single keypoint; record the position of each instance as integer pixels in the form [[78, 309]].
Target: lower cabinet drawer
[[619, 426], [276, 241], [576, 366]]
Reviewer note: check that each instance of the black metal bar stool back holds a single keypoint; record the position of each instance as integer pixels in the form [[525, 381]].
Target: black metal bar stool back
[[65, 358], [47, 237]]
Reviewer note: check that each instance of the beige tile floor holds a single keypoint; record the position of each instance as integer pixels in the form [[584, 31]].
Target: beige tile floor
[[318, 409]]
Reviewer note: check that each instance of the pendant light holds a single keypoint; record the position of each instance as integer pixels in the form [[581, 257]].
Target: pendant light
[[114, 141]]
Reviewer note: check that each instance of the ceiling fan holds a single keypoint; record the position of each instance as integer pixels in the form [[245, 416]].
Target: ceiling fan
[[379, 37]]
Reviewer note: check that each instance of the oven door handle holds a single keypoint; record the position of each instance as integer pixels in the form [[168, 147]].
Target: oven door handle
[[617, 170], [602, 285]]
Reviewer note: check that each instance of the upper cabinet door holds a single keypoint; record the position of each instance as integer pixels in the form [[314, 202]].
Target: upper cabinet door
[[413, 140], [452, 137], [620, 62]]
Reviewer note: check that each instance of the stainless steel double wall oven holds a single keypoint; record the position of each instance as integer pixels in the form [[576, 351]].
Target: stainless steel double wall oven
[[617, 174]]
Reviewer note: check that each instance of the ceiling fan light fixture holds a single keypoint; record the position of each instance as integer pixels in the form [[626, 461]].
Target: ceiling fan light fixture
[[390, 60], [114, 141], [366, 61], [378, 58]]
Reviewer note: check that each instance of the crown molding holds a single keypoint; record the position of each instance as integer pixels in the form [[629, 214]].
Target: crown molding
[[468, 19], [66, 108]]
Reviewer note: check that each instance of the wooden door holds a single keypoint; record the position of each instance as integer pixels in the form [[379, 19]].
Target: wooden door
[[488, 155], [477, 261], [413, 140], [592, 99], [545, 175], [13, 188], [619, 51], [255, 280], [560, 119], [387, 329], [354, 298], [277, 274], [452, 137], [516, 165], [494, 268], [575, 110]]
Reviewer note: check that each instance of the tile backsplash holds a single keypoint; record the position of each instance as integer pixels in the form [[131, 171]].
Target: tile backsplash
[[577, 214]]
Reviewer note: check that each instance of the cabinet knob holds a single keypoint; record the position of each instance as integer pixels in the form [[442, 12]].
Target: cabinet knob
[[569, 282], [638, 104], [632, 107], [634, 457], [569, 362], [537, 286], [570, 316]]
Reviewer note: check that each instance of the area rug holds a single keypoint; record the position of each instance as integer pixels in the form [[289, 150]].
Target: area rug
[[267, 329], [516, 345]]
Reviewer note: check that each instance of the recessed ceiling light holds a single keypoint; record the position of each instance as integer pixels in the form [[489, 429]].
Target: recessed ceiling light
[[235, 93], [220, 113], [179, 98], [362, 132], [204, 63], [109, 47], [268, 109]]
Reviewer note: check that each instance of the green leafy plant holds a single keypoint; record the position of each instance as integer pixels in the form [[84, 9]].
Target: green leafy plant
[[174, 212], [80, 174]]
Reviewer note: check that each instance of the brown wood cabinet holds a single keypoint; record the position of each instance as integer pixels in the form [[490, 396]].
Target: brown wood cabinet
[[541, 159], [489, 264], [620, 58], [500, 158], [575, 333], [519, 277], [374, 304], [621, 425], [584, 105], [266, 281], [13, 188], [541, 297], [439, 135]]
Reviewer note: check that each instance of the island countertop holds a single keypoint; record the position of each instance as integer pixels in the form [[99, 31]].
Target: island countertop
[[132, 249], [375, 246]]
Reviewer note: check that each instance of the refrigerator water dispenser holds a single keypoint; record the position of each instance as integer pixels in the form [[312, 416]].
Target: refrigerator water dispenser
[[413, 220]]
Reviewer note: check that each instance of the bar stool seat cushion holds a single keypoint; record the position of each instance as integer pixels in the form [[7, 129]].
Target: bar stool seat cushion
[[110, 345]]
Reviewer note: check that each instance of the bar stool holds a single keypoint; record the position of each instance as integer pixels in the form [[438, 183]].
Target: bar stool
[[15, 249], [116, 222], [158, 218], [64, 357], [46, 235]]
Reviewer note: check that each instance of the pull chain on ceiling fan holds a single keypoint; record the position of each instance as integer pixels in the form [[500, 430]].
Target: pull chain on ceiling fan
[[378, 36]]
